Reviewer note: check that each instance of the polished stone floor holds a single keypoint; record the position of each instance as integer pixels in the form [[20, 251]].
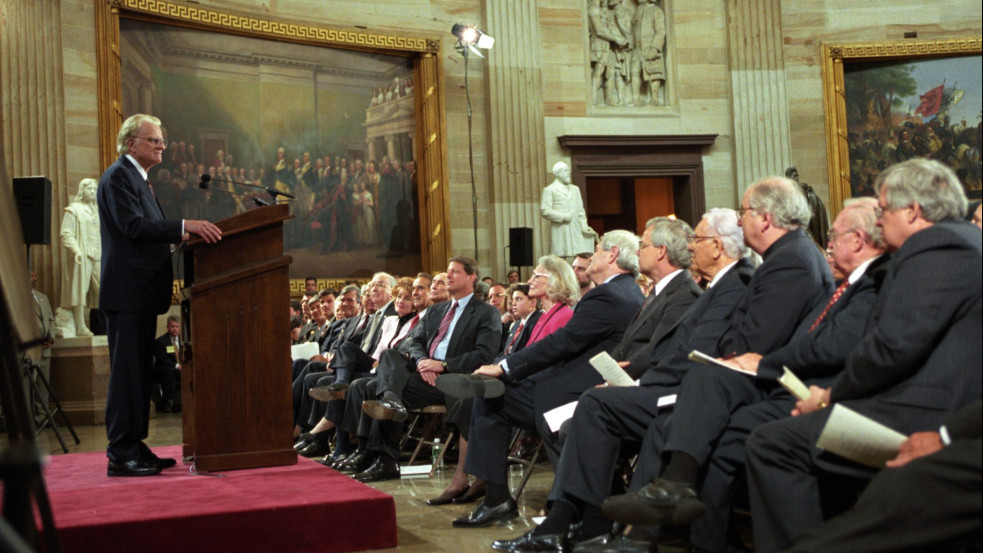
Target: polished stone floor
[[422, 529]]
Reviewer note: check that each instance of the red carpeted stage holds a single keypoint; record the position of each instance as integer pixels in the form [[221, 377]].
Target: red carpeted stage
[[304, 507]]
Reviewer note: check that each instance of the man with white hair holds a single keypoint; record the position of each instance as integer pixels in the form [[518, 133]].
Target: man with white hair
[[790, 283], [135, 279], [821, 345], [611, 420], [918, 360], [547, 374]]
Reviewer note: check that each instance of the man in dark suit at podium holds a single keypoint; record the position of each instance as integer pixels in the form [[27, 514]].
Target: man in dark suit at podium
[[136, 287]]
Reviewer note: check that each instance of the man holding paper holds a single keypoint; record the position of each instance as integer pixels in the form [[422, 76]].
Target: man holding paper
[[919, 357], [793, 282], [609, 420], [547, 374], [818, 351]]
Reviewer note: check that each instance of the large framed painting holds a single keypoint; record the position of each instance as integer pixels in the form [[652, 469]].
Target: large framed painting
[[892, 101], [349, 124]]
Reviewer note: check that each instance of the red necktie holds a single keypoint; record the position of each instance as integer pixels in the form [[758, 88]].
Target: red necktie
[[445, 323], [515, 338], [836, 296]]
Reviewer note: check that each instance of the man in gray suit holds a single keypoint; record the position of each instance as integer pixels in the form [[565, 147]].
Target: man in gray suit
[[919, 357]]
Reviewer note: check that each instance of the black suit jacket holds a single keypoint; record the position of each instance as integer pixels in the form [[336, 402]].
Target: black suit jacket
[[654, 321], [135, 275], [162, 358], [559, 363], [351, 331], [920, 354], [523, 338], [815, 356], [793, 279], [699, 329], [473, 343]]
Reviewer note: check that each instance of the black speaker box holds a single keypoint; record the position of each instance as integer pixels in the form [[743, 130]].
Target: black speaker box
[[520, 247], [33, 198]]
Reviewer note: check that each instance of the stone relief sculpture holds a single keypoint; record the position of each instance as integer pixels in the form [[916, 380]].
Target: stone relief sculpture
[[607, 44], [562, 206], [648, 63], [627, 45], [81, 253]]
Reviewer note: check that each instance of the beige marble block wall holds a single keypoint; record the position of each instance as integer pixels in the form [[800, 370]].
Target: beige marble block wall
[[806, 24]]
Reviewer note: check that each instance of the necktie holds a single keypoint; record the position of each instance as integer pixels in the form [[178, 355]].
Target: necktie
[[445, 323], [515, 337], [836, 296]]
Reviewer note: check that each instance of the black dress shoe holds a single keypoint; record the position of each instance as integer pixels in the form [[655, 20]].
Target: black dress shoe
[[475, 492], [470, 385], [612, 542], [337, 390], [134, 467], [560, 543], [384, 468], [660, 502], [385, 409], [316, 448], [485, 515], [165, 462], [358, 461], [447, 497], [303, 441]]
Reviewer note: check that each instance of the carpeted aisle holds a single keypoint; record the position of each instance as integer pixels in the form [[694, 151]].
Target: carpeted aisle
[[304, 507]]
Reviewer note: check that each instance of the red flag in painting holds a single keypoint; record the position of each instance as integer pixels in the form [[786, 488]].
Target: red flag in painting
[[931, 101]]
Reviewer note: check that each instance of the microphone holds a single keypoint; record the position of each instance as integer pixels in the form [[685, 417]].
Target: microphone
[[273, 192], [203, 184]]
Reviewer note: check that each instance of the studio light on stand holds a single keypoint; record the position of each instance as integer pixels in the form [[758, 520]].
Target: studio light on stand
[[469, 40]]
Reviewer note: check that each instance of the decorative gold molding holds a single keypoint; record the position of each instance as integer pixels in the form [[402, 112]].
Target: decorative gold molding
[[281, 30], [834, 56]]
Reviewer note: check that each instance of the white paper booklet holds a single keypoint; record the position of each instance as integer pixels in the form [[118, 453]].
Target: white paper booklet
[[604, 364], [858, 438], [701, 357]]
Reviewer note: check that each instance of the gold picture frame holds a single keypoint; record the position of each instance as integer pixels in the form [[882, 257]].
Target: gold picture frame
[[424, 51], [835, 58]]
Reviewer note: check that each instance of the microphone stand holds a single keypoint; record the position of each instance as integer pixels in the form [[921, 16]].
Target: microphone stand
[[273, 192]]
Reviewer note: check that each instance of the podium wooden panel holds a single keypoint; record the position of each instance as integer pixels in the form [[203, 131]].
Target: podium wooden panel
[[235, 381]]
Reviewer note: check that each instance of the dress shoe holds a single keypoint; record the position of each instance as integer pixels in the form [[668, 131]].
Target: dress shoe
[[319, 393], [660, 502], [165, 462], [133, 467], [316, 448], [384, 468], [612, 541], [560, 543], [474, 493], [303, 441], [485, 515], [385, 409], [357, 462], [447, 497], [470, 385], [337, 390]]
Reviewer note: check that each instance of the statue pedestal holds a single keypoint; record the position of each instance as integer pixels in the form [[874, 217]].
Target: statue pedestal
[[80, 378]]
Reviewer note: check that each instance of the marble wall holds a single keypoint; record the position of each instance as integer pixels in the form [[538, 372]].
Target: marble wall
[[532, 88]]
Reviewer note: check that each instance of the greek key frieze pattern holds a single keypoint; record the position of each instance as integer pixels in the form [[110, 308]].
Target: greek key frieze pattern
[[278, 29]]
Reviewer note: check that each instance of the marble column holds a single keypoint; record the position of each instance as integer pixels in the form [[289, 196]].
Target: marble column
[[516, 140], [762, 143], [32, 100]]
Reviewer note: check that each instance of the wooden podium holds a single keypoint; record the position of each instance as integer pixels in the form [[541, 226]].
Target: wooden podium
[[235, 382]]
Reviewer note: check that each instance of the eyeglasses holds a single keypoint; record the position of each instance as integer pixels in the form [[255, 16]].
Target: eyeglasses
[[643, 245], [155, 141], [540, 275], [742, 210]]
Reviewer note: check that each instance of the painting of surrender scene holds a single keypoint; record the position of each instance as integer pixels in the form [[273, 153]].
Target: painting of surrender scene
[[332, 128], [915, 108]]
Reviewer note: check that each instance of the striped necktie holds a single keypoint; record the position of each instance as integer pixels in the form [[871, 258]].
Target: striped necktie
[[445, 324]]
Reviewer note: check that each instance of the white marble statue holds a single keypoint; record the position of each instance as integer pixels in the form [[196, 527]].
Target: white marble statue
[[82, 252], [564, 209]]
